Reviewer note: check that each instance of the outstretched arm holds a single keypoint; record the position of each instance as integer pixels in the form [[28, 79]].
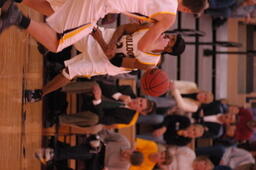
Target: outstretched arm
[[183, 105], [97, 35], [164, 22], [109, 49], [133, 63], [125, 29]]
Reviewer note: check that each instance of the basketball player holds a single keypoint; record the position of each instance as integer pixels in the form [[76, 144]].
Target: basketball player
[[93, 61], [75, 19]]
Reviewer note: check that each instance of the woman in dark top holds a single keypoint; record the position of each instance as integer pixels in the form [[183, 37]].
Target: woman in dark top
[[178, 130]]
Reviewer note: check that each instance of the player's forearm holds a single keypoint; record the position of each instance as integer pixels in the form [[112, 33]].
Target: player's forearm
[[116, 36], [181, 103], [133, 63], [150, 37], [146, 43], [102, 43], [142, 66]]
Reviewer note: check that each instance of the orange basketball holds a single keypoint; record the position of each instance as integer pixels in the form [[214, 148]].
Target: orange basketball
[[155, 82]]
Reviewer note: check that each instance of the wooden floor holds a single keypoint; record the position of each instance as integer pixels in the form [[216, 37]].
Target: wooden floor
[[20, 124]]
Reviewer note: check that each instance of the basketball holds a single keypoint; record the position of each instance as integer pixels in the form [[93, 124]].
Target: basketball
[[155, 82]]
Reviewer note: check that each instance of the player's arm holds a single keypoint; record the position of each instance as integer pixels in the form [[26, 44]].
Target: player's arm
[[135, 64], [97, 35], [123, 30], [164, 22]]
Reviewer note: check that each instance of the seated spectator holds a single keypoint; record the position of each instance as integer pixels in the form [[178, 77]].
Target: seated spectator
[[182, 158], [236, 157], [244, 10], [109, 113], [152, 156], [213, 108], [188, 97], [175, 130], [216, 116], [232, 157], [245, 125], [215, 123], [118, 152], [219, 8], [241, 129], [203, 163], [218, 4]]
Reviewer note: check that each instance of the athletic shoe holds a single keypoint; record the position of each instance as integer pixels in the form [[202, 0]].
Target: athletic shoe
[[44, 155], [12, 17], [49, 154], [95, 143], [40, 156], [32, 96]]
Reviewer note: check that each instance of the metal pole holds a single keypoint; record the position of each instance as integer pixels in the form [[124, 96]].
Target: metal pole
[[197, 25], [179, 20]]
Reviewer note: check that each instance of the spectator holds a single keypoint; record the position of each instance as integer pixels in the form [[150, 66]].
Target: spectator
[[188, 97], [118, 152], [203, 163], [232, 157], [182, 158], [110, 113], [175, 130], [152, 156]]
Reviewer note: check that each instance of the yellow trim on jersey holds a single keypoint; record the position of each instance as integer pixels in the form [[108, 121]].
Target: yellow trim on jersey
[[132, 122], [139, 17], [73, 33], [147, 63], [142, 29], [87, 76], [148, 19], [171, 13], [128, 69], [151, 54]]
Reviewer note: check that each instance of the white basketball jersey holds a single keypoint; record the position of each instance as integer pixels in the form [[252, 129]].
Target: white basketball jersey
[[75, 19], [145, 7], [128, 45], [92, 61]]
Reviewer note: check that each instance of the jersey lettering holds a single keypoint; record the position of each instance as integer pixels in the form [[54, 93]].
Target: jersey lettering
[[129, 46]]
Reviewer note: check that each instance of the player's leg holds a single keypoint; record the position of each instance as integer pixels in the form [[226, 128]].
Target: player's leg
[[57, 82], [42, 6], [40, 31]]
